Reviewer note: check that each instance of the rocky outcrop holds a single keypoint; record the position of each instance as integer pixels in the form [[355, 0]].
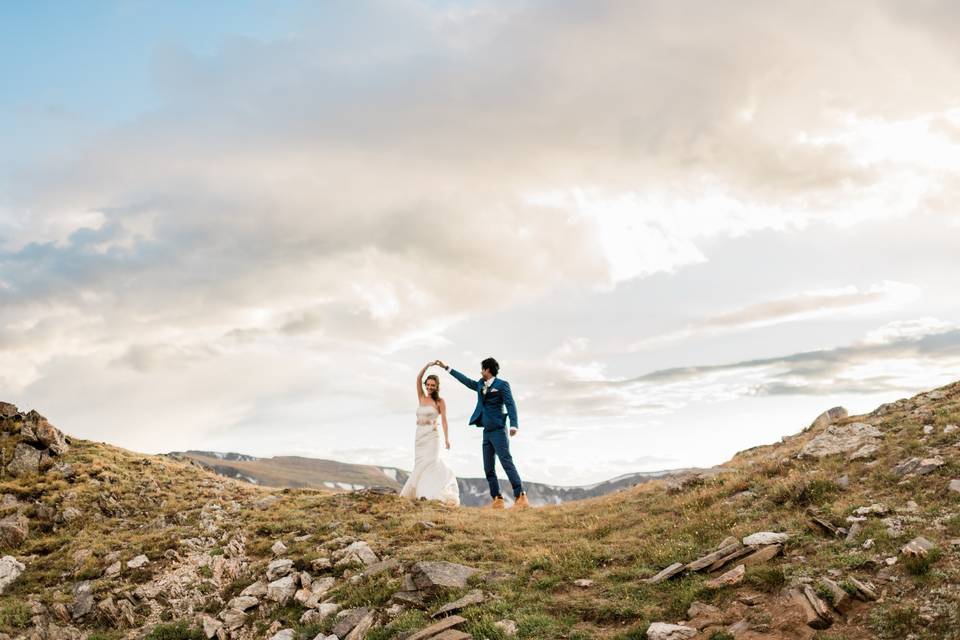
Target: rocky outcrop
[[837, 439], [10, 570], [40, 443]]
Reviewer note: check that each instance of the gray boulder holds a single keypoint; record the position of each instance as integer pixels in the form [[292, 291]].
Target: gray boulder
[[838, 439], [25, 460], [10, 570], [14, 529], [36, 430], [436, 576]]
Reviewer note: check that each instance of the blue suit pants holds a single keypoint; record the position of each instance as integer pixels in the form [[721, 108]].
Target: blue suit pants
[[496, 444]]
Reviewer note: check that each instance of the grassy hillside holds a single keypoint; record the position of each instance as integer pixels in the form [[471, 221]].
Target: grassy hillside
[[208, 538]]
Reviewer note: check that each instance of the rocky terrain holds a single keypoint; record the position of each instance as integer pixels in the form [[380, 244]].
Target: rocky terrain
[[847, 530], [297, 471]]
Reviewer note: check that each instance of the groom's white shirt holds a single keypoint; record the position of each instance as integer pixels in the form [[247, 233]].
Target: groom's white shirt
[[487, 384]]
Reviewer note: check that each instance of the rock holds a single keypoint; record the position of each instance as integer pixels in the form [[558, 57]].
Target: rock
[[36, 430], [665, 631], [954, 486], [927, 429], [278, 548], [506, 627], [452, 634], [140, 561], [279, 568], [877, 508], [950, 428], [894, 527], [82, 599], [321, 586], [728, 579], [210, 626], [838, 439], [383, 566], [868, 543], [10, 570], [413, 599], [242, 603], [763, 538], [282, 590], [25, 460], [359, 631], [437, 628], [328, 609], [843, 482], [815, 611], [233, 619], [764, 554], [258, 589], [828, 417], [918, 466], [666, 574], [348, 620], [8, 410], [435, 576], [283, 634], [14, 530], [918, 547], [311, 616], [707, 560], [473, 597], [865, 590], [583, 583], [841, 599], [358, 552], [320, 564], [826, 526]]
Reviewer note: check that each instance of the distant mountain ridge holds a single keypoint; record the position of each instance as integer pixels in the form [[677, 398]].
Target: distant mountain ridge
[[297, 471]]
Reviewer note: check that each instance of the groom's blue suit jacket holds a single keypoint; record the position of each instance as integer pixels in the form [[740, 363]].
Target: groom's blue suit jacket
[[491, 406]]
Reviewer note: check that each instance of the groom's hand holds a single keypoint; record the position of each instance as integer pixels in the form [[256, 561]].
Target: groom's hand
[[513, 432]]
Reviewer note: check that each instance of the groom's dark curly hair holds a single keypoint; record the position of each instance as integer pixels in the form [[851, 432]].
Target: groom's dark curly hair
[[491, 365]]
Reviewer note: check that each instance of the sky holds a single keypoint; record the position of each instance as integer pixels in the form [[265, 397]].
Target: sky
[[683, 228]]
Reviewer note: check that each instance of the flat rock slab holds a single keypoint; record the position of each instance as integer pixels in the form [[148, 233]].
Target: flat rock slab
[[763, 555], [452, 634], [729, 579], [666, 574], [349, 620], [434, 576], [764, 538], [839, 438], [710, 558], [437, 628], [665, 631], [472, 598]]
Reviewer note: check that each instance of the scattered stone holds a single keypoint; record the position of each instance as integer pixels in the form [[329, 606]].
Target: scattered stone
[[282, 590], [279, 568], [666, 631], [700, 615], [728, 579], [258, 589], [426, 525], [841, 599], [411, 598], [473, 597], [918, 547], [283, 634], [762, 555], [437, 627], [750, 599], [876, 509], [507, 627], [918, 466], [359, 631], [666, 574], [868, 544], [865, 590], [233, 619], [710, 558], [452, 634], [82, 599], [137, 562], [383, 566], [10, 570], [954, 485], [583, 583], [894, 527], [866, 452], [855, 530], [348, 620], [278, 548], [328, 609], [950, 428], [826, 526], [840, 439], [210, 626], [764, 538], [242, 603], [357, 553], [25, 460], [14, 530], [434, 576], [815, 610], [843, 482], [320, 564]]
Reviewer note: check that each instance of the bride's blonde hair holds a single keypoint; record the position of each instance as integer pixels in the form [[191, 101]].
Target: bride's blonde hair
[[435, 394]]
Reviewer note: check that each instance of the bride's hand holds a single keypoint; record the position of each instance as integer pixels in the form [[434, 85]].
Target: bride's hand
[[448, 444]]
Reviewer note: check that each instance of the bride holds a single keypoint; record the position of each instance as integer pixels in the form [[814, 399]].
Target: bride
[[431, 477]]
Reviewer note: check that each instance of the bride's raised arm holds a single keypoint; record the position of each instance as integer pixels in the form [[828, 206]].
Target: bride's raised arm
[[420, 393]]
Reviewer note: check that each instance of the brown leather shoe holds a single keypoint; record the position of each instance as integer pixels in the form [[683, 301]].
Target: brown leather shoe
[[521, 502], [497, 503]]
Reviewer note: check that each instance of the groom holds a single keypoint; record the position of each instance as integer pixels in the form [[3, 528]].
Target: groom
[[493, 401]]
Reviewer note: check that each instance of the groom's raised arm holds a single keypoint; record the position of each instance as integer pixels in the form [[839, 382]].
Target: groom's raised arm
[[509, 404], [467, 382]]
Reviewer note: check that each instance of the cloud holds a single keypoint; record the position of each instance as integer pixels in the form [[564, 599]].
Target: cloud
[[802, 306]]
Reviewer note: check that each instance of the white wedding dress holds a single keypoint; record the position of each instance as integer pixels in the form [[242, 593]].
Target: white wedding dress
[[431, 477]]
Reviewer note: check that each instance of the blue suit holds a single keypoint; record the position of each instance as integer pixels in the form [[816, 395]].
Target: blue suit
[[494, 406]]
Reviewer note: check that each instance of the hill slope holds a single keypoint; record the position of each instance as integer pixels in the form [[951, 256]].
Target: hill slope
[[296, 472], [115, 544]]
